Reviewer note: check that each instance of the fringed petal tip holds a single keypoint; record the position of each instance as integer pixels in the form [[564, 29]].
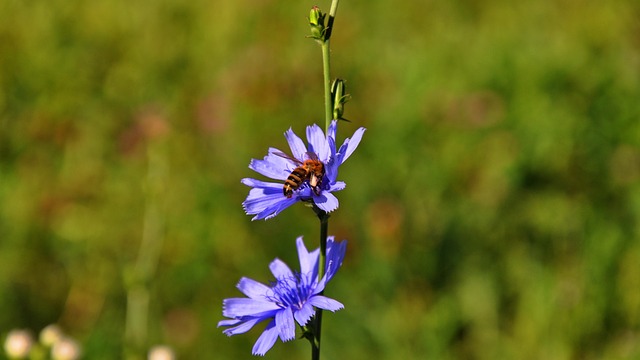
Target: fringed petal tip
[[326, 201]]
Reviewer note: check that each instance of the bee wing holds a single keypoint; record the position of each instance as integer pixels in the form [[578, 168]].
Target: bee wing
[[283, 155], [311, 155]]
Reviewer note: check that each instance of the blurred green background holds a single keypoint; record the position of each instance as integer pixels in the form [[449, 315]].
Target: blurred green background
[[492, 208]]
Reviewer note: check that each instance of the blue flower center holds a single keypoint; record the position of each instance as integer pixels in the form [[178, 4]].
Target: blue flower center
[[292, 291]]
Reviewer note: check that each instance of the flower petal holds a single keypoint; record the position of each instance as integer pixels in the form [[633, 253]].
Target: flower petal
[[333, 127], [296, 144], [253, 289], [272, 186], [303, 193], [265, 199], [308, 261], [266, 340], [325, 303], [270, 167], [282, 161], [337, 186], [318, 142], [285, 324], [326, 201], [243, 327], [320, 286], [229, 322], [305, 313], [335, 256], [275, 209], [331, 165], [238, 307], [280, 270], [350, 145]]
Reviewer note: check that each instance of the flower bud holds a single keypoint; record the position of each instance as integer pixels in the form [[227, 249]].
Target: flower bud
[[316, 22], [339, 98]]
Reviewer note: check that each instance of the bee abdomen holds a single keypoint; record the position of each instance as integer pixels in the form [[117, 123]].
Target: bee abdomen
[[298, 174], [293, 181]]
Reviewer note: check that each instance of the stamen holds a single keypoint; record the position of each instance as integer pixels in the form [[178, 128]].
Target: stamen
[[292, 292]]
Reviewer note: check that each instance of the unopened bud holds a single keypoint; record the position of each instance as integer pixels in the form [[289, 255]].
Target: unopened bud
[[339, 98], [316, 22]]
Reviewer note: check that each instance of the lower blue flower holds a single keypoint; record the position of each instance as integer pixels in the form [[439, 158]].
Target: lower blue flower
[[289, 299]]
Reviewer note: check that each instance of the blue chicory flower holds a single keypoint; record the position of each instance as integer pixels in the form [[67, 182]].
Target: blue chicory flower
[[266, 199], [289, 299]]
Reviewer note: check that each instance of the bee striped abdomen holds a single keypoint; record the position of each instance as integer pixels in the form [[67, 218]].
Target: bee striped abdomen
[[297, 176]]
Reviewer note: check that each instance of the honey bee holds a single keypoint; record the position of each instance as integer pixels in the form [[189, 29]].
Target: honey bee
[[311, 169]]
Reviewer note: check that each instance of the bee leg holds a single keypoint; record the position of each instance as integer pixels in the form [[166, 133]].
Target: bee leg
[[314, 184], [317, 189]]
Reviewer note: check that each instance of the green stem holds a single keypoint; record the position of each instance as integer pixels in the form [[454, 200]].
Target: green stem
[[322, 215], [324, 229], [328, 103], [326, 66], [317, 324]]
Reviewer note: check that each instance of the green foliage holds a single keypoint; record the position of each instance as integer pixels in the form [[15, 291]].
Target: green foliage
[[492, 208]]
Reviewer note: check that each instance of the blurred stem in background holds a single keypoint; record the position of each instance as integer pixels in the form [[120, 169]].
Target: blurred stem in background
[[139, 278]]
